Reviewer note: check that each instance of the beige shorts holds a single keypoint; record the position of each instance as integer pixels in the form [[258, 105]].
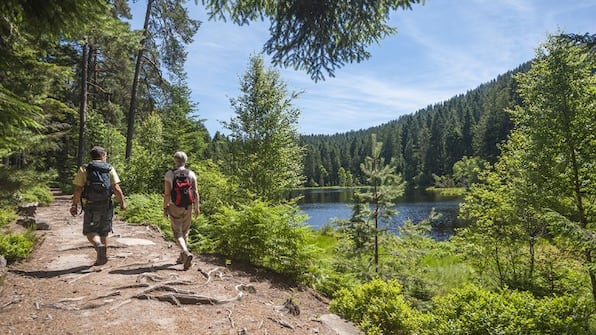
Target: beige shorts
[[180, 219]]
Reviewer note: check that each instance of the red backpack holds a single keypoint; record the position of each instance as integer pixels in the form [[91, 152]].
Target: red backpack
[[183, 194]]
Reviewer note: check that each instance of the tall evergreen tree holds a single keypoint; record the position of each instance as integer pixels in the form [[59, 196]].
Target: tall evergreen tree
[[167, 28], [265, 155]]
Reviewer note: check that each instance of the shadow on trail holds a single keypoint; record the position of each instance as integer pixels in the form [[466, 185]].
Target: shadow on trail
[[137, 271], [52, 274]]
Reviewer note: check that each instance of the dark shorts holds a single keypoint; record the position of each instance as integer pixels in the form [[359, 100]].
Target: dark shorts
[[98, 219]]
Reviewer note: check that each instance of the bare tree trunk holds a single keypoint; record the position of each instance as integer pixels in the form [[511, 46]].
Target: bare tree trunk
[[135, 84], [93, 67], [83, 105]]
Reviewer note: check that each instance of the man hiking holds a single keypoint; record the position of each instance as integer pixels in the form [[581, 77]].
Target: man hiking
[[96, 182], [180, 200]]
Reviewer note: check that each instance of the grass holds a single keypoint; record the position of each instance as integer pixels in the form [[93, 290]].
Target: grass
[[447, 270], [326, 242], [448, 191]]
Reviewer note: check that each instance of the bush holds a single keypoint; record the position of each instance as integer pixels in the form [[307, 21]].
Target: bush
[[473, 310], [7, 215], [273, 236], [146, 210], [38, 193], [378, 307], [17, 246], [19, 186]]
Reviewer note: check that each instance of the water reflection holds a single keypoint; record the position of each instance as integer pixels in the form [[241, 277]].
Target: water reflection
[[323, 205]]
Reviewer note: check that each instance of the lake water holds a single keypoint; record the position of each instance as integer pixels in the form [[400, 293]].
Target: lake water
[[324, 205]]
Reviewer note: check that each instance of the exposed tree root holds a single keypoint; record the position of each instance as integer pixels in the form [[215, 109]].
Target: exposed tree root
[[181, 297]]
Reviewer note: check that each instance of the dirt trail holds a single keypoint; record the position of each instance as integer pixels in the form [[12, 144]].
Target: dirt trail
[[58, 291]]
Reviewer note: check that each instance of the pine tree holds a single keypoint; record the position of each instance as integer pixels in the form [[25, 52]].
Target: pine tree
[[265, 155], [385, 187]]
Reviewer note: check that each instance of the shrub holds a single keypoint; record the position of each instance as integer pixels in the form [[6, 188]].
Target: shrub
[[19, 186], [473, 310], [273, 236], [16, 246], [146, 209], [7, 215], [38, 193], [378, 307]]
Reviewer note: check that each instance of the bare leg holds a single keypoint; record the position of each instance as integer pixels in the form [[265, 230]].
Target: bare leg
[[94, 239]]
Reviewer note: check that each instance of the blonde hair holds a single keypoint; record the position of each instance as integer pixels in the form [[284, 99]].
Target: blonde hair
[[180, 158]]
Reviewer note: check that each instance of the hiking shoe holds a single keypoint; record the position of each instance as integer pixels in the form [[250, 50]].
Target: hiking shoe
[[181, 258], [187, 261], [102, 257]]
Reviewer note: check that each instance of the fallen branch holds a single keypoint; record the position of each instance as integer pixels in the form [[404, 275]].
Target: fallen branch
[[281, 322], [10, 303], [72, 299]]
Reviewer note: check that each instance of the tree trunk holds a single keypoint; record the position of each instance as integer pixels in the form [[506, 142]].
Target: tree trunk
[[83, 105], [135, 84], [93, 67]]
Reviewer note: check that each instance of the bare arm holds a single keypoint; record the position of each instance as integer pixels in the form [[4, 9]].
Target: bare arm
[[167, 190], [120, 195], [76, 199], [197, 204]]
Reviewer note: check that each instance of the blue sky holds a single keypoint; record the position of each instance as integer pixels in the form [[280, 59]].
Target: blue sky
[[442, 48]]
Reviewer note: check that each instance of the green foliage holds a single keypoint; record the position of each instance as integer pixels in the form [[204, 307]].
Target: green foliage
[[18, 186], [65, 17], [7, 215], [317, 37], [473, 310], [467, 170], [265, 155], [147, 210], [543, 181], [273, 236], [38, 193], [376, 204], [215, 189], [378, 307], [144, 171], [558, 123], [17, 246]]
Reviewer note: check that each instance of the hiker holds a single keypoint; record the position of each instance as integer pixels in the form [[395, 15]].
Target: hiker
[[96, 182], [180, 200]]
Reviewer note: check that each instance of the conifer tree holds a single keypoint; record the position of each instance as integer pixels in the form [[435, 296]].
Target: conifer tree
[[385, 187], [265, 155]]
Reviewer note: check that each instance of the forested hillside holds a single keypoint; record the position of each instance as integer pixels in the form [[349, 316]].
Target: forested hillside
[[423, 143]]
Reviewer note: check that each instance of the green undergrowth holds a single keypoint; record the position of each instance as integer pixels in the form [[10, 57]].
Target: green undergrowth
[[17, 246], [7, 215], [143, 209]]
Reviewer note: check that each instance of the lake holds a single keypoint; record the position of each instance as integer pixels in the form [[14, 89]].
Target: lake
[[323, 205]]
